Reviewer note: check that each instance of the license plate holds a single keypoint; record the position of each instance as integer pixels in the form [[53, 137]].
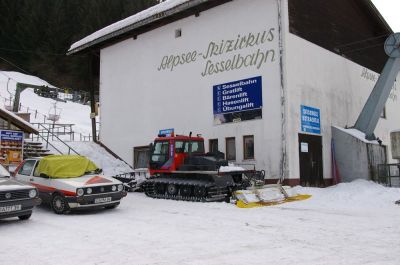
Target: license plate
[[102, 200], [11, 208]]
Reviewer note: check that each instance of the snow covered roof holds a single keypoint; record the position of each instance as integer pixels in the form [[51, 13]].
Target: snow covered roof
[[17, 121], [357, 134], [153, 14]]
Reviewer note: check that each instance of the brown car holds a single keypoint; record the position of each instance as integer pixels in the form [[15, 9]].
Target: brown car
[[16, 199]]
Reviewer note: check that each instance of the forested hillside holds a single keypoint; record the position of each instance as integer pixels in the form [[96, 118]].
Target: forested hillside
[[35, 35]]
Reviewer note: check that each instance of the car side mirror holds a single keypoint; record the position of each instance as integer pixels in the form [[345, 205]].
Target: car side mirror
[[42, 175]]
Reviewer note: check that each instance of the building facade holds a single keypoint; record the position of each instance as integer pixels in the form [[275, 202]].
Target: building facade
[[246, 75]]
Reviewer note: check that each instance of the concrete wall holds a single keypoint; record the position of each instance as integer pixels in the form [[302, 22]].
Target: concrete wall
[[356, 158], [139, 95]]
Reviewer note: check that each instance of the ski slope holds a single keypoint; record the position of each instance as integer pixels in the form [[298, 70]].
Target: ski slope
[[70, 112]]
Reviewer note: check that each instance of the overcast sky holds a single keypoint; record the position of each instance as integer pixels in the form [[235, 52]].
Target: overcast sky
[[390, 10]]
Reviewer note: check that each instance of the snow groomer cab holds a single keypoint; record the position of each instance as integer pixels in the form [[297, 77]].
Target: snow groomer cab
[[16, 199], [69, 182]]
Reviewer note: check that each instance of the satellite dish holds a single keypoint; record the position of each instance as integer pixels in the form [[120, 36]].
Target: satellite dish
[[392, 45]]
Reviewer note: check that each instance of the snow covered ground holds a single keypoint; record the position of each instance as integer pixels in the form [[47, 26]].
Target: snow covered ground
[[352, 223]]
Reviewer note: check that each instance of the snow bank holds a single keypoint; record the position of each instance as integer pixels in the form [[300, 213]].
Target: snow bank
[[359, 194], [145, 231], [110, 165]]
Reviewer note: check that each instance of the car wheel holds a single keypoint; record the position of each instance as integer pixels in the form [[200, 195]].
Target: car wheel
[[25, 217], [172, 189], [59, 204], [111, 206]]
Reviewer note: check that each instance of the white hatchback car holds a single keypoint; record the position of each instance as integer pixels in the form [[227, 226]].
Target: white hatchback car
[[70, 182]]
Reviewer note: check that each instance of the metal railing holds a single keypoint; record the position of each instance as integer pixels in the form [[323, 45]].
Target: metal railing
[[45, 134], [389, 174], [61, 129]]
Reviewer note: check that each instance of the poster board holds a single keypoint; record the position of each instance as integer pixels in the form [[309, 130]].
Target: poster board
[[238, 101], [11, 147]]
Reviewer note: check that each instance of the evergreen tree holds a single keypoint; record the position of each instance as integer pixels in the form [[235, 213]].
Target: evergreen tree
[[36, 34]]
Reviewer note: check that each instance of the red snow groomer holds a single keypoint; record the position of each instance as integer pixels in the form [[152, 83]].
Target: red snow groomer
[[181, 170]]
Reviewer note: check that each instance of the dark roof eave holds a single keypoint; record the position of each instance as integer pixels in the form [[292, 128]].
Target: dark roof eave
[[152, 19], [379, 16]]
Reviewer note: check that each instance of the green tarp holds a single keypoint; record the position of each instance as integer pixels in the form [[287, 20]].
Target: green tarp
[[65, 166]]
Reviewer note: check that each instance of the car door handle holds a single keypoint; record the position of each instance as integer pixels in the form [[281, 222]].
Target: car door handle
[[31, 179]]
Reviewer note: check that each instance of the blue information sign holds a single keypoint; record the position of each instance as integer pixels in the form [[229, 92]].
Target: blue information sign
[[310, 120], [166, 132], [238, 96]]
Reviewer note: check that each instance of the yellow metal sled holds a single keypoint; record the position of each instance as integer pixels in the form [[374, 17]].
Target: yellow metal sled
[[300, 197], [267, 195]]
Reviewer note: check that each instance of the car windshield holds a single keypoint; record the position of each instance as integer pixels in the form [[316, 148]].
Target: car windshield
[[160, 153], [189, 147], [3, 172]]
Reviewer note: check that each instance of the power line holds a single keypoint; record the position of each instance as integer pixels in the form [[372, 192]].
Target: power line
[[15, 65], [32, 52], [361, 41], [363, 48]]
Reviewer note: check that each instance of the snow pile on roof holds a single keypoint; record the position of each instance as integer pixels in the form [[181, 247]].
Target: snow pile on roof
[[164, 6], [12, 114], [357, 134]]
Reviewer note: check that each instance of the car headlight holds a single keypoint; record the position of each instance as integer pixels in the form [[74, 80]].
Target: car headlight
[[114, 188], [120, 187], [89, 190], [80, 192], [32, 193]]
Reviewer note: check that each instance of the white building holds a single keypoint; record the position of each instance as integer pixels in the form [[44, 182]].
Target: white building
[[264, 80]]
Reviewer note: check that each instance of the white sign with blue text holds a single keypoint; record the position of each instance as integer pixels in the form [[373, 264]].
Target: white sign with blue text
[[310, 120]]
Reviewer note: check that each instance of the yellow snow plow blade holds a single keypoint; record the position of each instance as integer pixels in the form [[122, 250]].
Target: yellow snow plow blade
[[300, 197]]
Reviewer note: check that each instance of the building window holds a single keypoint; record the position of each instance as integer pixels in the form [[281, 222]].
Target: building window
[[178, 33], [383, 114], [213, 146], [230, 149], [248, 147], [141, 157]]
